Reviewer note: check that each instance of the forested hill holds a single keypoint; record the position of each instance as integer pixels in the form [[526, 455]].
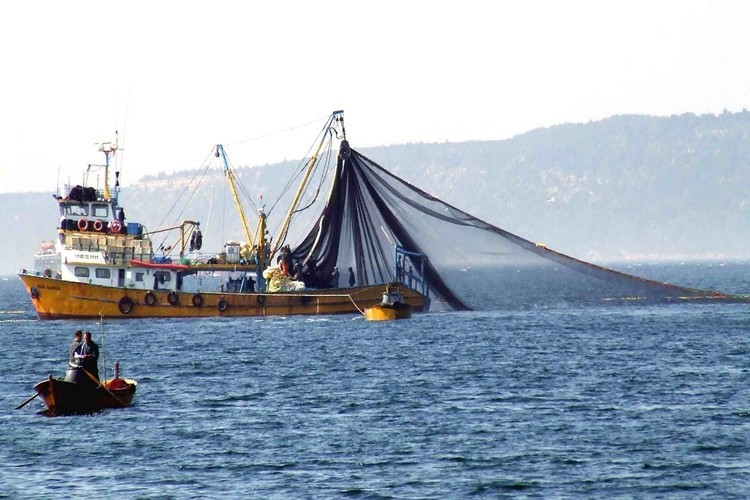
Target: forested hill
[[625, 187]]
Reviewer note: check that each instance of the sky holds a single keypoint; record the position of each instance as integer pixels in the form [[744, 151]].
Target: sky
[[175, 78]]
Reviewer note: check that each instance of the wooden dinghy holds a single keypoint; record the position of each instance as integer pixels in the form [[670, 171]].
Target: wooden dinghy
[[81, 393]]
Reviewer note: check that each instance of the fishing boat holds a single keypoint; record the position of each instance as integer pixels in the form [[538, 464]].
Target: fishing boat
[[47, 259], [374, 224], [110, 268], [81, 393], [391, 307]]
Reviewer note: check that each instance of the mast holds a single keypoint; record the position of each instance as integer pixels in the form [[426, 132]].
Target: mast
[[109, 150], [335, 116], [260, 250]]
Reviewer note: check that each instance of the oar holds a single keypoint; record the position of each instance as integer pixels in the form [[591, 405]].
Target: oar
[[26, 402], [99, 384]]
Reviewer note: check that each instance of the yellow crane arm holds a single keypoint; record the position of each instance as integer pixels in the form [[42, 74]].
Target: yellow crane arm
[[232, 185], [310, 164]]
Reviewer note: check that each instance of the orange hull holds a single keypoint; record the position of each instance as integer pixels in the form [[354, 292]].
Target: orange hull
[[387, 312], [58, 299]]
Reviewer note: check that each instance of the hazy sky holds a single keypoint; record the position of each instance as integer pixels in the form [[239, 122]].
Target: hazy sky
[[177, 77]]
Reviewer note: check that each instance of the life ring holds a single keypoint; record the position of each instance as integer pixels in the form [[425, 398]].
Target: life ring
[[98, 225], [125, 305], [34, 292], [173, 298], [149, 298], [83, 224], [260, 299], [222, 305], [197, 300], [115, 226]]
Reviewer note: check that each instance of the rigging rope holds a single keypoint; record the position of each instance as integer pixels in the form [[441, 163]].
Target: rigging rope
[[206, 164], [279, 132]]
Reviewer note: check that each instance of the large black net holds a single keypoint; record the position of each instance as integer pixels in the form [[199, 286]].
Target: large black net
[[370, 215]]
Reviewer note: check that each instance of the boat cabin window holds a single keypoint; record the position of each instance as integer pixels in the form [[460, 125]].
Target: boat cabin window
[[74, 210], [162, 276], [139, 277], [102, 273], [82, 272], [99, 210]]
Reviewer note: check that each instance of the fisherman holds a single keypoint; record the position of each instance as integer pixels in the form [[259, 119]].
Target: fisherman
[[77, 337], [87, 355], [121, 220], [335, 277], [297, 276], [352, 281], [286, 261]]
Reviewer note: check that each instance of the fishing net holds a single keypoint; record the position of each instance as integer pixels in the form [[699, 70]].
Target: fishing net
[[467, 264]]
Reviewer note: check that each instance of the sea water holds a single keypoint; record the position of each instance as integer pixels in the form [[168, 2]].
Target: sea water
[[591, 401]]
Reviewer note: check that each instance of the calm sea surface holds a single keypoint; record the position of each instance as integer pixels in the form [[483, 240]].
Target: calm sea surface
[[590, 401]]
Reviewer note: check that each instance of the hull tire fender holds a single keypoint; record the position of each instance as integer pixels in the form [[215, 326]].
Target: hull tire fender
[[260, 299], [222, 305], [34, 292], [149, 298], [173, 298], [197, 300], [125, 305]]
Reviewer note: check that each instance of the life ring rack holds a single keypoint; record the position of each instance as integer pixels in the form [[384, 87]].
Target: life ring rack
[[197, 300], [222, 304], [149, 298], [173, 298], [83, 224], [115, 226], [125, 305], [98, 225]]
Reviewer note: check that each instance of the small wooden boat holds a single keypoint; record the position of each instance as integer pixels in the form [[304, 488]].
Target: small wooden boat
[[81, 393], [391, 307]]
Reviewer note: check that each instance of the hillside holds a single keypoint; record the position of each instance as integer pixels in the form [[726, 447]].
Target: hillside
[[625, 187]]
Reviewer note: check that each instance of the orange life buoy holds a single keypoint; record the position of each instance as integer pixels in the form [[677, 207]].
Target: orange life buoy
[[83, 224], [115, 226], [98, 225]]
